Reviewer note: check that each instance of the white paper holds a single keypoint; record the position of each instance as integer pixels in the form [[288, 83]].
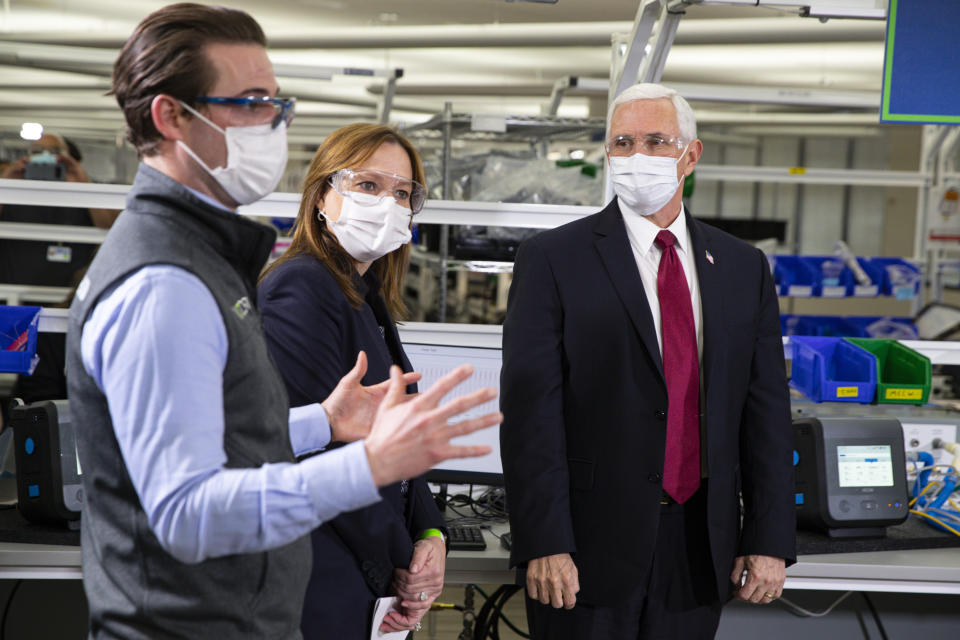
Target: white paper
[[380, 610]]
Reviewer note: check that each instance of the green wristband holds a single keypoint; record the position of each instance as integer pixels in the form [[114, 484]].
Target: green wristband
[[433, 533]]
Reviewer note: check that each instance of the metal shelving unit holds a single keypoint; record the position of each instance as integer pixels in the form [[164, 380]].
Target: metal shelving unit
[[538, 131], [483, 335], [495, 128]]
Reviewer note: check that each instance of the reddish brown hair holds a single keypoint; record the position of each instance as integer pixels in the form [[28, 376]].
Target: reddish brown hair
[[346, 148]]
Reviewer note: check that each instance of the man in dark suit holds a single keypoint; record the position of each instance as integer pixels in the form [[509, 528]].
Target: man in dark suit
[[643, 393]]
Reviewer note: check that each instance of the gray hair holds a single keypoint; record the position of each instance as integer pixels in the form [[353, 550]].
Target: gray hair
[[650, 91]]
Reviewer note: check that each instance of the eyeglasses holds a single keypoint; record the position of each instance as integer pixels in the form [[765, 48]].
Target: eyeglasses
[[652, 144], [262, 109], [54, 151], [368, 187]]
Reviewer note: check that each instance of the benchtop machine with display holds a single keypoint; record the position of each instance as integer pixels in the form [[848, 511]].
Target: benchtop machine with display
[[49, 488], [849, 478]]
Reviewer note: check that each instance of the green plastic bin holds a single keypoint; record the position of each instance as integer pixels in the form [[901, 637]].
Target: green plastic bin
[[903, 375]]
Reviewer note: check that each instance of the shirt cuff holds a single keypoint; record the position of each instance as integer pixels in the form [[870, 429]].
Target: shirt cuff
[[339, 480], [309, 429]]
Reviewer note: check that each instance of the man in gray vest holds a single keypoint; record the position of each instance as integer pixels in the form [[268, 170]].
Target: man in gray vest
[[196, 507]]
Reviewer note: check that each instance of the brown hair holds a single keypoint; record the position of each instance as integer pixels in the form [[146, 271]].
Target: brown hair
[[165, 55], [345, 148]]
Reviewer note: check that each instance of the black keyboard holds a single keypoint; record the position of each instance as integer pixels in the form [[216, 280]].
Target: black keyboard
[[466, 537]]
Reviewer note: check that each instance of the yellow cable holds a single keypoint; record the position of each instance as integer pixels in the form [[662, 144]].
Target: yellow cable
[[925, 489], [954, 504], [937, 520]]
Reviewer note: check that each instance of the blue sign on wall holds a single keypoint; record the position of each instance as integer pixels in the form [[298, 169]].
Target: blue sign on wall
[[921, 71]]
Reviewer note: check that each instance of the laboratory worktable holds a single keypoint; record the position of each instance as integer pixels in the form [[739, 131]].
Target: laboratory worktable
[[904, 571]]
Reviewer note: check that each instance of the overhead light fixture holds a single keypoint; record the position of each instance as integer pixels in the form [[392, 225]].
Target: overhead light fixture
[[31, 130]]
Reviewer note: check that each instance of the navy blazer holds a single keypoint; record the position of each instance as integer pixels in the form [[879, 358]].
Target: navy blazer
[[314, 335], [585, 404]]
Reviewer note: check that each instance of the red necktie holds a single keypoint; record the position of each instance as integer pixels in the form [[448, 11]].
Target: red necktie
[[681, 368]]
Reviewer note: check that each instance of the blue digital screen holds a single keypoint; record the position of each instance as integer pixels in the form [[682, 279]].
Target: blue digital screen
[[921, 80]]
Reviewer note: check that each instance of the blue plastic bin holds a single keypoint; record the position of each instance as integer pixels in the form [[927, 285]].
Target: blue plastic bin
[[828, 370], [819, 326], [835, 284], [788, 323], [842, 283], [872, 290], [795, 277], [848, 326], [14, 321], [880, 327], [904, 287]]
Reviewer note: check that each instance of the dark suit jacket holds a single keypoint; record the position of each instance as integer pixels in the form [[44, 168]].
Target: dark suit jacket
[[584, 403], [314, 335]]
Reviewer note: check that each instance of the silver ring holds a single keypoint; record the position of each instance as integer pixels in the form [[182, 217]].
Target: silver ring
[[417, 627], [423, 596]]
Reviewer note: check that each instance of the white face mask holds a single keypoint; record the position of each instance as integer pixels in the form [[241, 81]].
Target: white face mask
[[645, 183], [256, 158], [368, 232]]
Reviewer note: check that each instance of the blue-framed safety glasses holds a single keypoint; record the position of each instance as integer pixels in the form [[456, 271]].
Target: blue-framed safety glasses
[[263, 108]]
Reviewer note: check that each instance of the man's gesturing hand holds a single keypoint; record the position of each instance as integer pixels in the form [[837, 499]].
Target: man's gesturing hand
[[410, 436], [351, 406], [553, 580]]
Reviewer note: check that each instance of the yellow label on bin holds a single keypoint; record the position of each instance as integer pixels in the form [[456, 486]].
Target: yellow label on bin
[[847, 392], [797, 171], [904, 394]]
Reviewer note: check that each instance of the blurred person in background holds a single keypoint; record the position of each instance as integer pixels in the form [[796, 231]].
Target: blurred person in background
[[48, 262]]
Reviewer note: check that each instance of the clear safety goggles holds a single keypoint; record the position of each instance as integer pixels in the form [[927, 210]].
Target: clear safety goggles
[[258, 109], [651, 144], [368, 187]]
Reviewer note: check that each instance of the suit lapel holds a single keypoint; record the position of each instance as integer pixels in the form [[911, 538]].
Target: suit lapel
[[610, 239], [711, 300]]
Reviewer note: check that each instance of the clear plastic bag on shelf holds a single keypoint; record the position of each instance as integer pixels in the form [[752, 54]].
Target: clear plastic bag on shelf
[[536, 181], [831, 270], [499, 176], [889, 328], [902, 276], [463, 169]]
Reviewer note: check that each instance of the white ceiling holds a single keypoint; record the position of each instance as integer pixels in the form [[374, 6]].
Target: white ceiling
[[537, 43]]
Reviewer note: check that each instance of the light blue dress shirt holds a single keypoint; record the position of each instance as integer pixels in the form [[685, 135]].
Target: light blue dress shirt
[[156, 346]]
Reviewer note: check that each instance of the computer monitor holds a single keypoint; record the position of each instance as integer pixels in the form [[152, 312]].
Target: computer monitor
[[433, 361], [938, 321]]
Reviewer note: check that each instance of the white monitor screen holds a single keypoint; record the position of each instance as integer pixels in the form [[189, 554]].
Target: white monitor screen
[[433, 361], [937, 321], [865, 465]]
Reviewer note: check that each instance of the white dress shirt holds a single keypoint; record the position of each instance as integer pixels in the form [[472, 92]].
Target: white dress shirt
[[642, 232]]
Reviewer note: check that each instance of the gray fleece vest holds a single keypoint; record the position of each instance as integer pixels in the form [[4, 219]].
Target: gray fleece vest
[[134, 587]]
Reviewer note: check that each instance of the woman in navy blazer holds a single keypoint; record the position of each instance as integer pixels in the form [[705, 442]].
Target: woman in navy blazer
[[333, 294]]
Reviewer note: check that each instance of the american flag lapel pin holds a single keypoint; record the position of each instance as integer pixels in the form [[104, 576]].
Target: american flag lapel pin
[[709, 256]]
